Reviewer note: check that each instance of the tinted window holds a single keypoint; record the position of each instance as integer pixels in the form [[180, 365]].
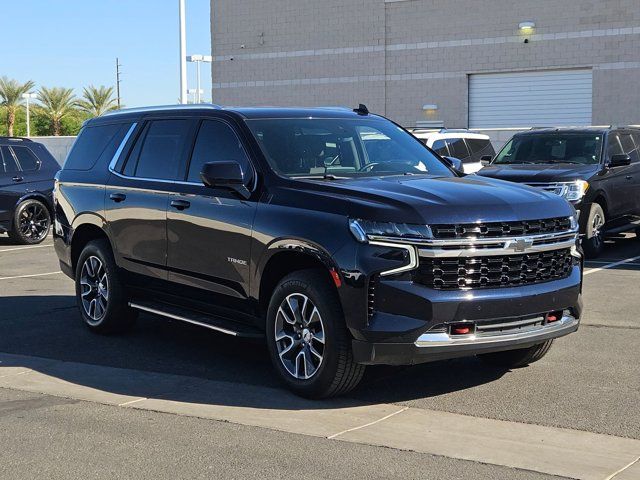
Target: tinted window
[[311, 147], [8, 163], [26, 159], [614, 147], [216, 142], [579, 148], [94, 143], [440, 147], [161, 149], [629, 146], [458, 148]]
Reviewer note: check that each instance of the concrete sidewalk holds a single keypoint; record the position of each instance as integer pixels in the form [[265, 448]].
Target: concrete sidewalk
[[554, 451]]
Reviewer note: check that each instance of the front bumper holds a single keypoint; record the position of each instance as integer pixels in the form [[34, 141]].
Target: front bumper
[[432, 346]]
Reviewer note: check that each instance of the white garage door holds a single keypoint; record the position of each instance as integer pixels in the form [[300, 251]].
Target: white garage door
[[529, 99]]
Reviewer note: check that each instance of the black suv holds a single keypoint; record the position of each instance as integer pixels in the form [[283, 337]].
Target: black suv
[[334, 234], [26, 184], [596, 169]]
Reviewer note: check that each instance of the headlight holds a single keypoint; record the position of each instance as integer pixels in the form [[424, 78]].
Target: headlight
[[363, 230], [574, 191]]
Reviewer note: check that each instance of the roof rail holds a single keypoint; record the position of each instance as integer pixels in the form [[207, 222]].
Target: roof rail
[[15, 139], [189, 106]]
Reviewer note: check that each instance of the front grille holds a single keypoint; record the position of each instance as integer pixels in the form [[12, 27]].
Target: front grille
[[493, 272], [502, 229]]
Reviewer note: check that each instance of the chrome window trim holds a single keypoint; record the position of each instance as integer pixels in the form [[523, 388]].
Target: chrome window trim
[[413, 257], [116, 156], [442, 339]]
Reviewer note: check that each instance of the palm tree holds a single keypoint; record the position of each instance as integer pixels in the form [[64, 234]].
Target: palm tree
[[56, 103], [11, 97], [97, 100]]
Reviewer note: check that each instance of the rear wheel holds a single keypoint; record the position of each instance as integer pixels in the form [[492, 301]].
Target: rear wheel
[[100, 293], [31, 222], [309, 344], [593, 242], [517, 358]]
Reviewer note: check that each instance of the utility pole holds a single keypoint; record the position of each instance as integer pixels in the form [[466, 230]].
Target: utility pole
[[118, 65], [183, 52]]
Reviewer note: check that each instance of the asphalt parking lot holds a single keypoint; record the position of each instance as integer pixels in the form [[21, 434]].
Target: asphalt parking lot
[[590, 382]]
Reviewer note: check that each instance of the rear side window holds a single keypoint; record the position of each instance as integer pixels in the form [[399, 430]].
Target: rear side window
[[161, 149], [95, 143], [8, 162], [440, 147], [216, 142], [458, 148], [26, 159]]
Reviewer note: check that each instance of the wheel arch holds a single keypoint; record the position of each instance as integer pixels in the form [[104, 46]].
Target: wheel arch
[[84, 233], [283, 257]]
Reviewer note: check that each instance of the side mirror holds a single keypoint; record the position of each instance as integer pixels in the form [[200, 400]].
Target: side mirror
[[455, 163], [227, 175], [619, 160], [486, 160]]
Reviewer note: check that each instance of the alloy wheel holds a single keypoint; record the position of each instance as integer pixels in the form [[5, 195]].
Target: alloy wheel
[[33, 222], [299, 336], [94, 292], [596, 225]]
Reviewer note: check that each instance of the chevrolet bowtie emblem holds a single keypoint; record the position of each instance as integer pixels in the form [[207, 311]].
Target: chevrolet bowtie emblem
[[521, 244]]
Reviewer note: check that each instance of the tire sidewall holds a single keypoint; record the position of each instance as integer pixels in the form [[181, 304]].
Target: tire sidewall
[[321, 297], [15, 230], [96, 249], [591, 249]]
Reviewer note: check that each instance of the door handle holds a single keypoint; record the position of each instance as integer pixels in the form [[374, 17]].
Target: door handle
[[180, 204], [628, 177], [118, 197], [17, 178]]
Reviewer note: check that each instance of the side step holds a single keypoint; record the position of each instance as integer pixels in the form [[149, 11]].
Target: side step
[[198, 318]]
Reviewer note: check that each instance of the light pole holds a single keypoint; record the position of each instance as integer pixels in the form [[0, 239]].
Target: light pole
[[198, 59], [183, 53], [27, 96], [195, 93]]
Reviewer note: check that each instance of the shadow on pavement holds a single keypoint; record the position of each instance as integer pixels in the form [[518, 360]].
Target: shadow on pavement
[[215, 368]]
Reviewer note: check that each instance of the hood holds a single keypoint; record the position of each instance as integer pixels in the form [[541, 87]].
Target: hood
[[430, 200], [525, 173]]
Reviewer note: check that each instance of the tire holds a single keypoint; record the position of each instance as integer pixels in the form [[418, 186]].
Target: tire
[[593, 241], [100, 293], [31, 222], [517, 358], [301, 325]]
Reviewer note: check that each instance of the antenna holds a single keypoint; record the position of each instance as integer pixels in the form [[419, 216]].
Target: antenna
[[362, 109]]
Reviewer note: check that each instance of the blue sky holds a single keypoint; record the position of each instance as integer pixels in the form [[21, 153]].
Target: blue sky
[[74, 43]]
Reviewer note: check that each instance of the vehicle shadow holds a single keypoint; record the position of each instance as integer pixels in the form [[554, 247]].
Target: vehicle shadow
[[212, 368]]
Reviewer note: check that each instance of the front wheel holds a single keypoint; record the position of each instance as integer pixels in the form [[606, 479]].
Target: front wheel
[[517, 358], [308, 341], [593, 242]]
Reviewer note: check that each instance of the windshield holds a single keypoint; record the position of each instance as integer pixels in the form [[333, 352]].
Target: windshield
[[578, 148], [337, 147]]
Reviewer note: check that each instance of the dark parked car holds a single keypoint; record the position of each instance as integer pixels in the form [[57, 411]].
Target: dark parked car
[[596, 169], [334, 234], [26, 185]]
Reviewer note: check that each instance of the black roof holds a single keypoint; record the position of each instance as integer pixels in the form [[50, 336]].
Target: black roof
[[244, 112], [536, 131]]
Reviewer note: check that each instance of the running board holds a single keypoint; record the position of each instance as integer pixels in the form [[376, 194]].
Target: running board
[[211, 322]]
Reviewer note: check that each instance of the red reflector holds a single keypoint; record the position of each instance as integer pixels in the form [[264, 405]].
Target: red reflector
[[336, 278], [460, 330], [552, 318]]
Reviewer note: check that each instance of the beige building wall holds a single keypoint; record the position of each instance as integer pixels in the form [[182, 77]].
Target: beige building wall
[[398, 55]]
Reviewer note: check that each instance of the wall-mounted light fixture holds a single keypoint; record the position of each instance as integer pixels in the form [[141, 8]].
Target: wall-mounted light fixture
[[430, 107], [527, 26]]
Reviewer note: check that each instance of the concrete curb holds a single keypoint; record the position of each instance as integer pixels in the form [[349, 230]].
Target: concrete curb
[[555, 451]]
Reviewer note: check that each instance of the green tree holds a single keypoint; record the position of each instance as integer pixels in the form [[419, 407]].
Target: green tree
[[97, 100], [56, 104], [11, 98]]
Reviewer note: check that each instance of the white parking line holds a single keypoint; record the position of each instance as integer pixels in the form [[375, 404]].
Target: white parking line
[[24, 248], [29, 276], [611, 265], [331, 437]]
